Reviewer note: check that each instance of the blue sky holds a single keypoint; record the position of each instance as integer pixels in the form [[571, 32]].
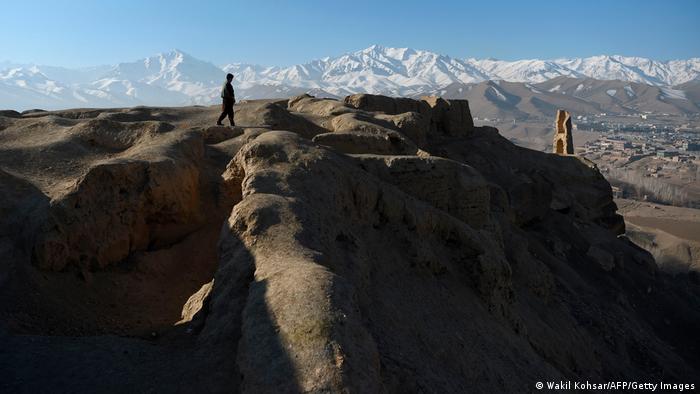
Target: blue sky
[[80, 32]]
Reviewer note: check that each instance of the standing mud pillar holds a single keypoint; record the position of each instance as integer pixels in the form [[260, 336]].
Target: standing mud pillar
[[563, 139]]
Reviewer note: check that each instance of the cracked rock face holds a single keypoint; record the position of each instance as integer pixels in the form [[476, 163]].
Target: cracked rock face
[[124, 205], [366, 245]]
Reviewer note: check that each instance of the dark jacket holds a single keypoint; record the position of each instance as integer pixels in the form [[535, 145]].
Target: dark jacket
[[227, 92]]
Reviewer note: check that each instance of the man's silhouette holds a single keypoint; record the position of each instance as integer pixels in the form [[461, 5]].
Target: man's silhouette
[[229, 99]]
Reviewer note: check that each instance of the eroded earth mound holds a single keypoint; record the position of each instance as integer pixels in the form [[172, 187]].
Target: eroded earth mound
[[368, 245]]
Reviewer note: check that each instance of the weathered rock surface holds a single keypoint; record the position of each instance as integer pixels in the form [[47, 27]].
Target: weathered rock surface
[[370, 245], [455, 188], [413, 125], [273, 116], [450, 116], [387, 105], [445, 116], [319, 107], [144, 198], [216, 134], [10, 114]]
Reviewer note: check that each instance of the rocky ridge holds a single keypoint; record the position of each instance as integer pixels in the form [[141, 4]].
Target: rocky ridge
[[373, 244]]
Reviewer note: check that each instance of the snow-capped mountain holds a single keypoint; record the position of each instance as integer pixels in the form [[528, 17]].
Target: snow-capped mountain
[[26, 87], [404, 71], [164, 79], [372, 70], [399, 71], [176, 78], [531, 71]]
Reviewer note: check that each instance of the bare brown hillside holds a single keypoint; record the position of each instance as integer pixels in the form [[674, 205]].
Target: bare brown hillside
[[368, 245]]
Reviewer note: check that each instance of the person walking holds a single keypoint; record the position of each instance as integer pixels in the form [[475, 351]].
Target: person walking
[[229, 98]]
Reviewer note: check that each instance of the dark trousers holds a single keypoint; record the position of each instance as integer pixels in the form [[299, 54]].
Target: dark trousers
[[226, 110]]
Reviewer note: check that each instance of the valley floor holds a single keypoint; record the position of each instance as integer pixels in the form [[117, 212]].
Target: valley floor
[[671, 234]]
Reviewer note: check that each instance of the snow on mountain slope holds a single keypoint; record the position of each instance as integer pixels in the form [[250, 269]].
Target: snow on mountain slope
[[633, 69], [380, 69], [176, 78], [397, 71], [174, 71], [684, 71], [29, 87], [33, 79], [532, 71]]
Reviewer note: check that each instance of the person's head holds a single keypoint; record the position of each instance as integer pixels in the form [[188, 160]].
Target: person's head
[[229, 77]]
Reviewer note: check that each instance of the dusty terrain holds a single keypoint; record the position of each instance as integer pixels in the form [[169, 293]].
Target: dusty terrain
[[671, 234], [365, 245]]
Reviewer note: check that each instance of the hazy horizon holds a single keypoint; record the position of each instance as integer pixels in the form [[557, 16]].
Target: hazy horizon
[[350, 51]]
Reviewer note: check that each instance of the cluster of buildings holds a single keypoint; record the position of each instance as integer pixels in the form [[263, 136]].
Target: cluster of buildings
[[618, 124], [657, 153], [631, 154], [639, 146]]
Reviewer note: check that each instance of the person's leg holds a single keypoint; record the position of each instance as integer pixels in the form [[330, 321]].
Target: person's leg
[[230, 115], [222, 116]]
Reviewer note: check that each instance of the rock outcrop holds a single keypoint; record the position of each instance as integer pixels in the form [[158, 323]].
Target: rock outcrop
[[10, 114], [455, 188], [444, 116], [368, 245], [147, 197]]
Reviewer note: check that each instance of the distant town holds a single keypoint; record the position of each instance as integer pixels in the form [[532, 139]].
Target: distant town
[[647, 156], [664, 149]]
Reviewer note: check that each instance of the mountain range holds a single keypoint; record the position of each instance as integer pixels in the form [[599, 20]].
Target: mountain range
[[613, 84]]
